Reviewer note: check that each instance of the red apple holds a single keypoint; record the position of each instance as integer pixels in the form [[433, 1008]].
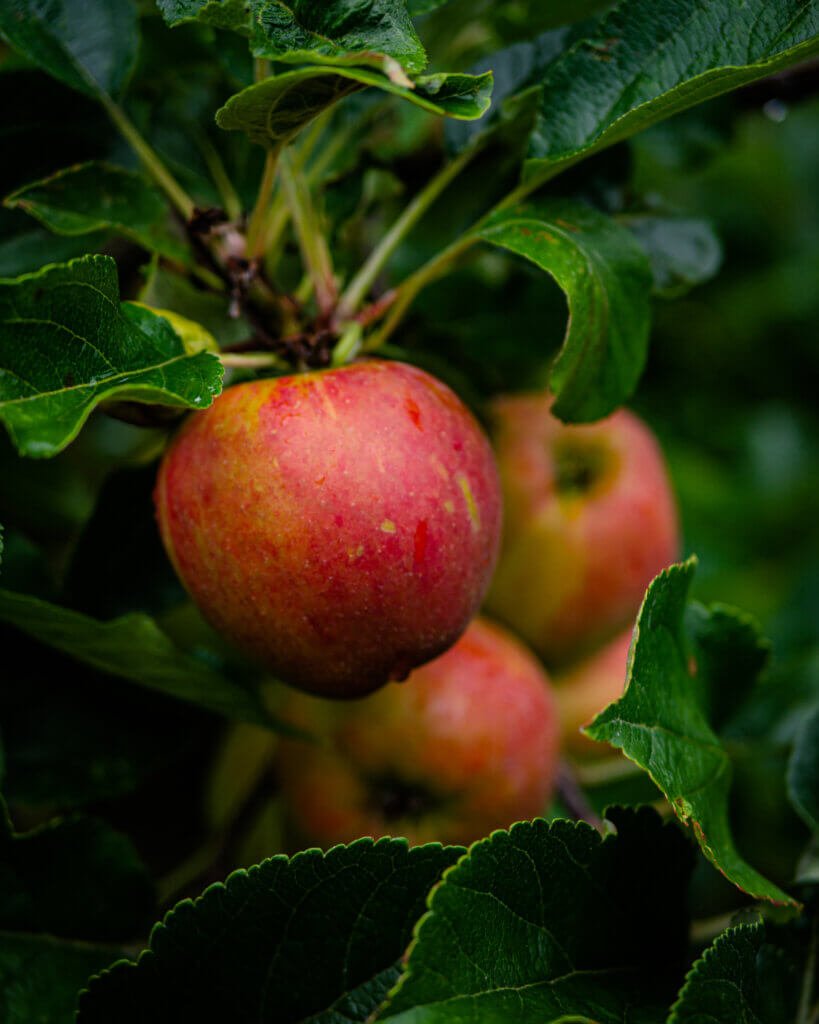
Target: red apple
[[590, 520], [583, 690], [467, 744], [340, 527]]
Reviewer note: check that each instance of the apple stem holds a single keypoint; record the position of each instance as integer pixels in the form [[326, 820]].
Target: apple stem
[[574, 799]]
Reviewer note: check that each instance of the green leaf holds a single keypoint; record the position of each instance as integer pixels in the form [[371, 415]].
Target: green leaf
[[661, 723], [317, 937], [133, 647], [273, 112], [90, 46], [605, 275], [66, 345], [683, 251], [293, 29], [40, 977], [649, 59], [741, 977], [225, 14], [418, 7], [26, 249], [549, 922], [98, 196], [803, 771], [74, 878]]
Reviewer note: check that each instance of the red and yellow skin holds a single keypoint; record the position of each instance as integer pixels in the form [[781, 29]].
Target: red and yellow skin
[[588, 687], [340, 527], [467, 744], [590, 519]]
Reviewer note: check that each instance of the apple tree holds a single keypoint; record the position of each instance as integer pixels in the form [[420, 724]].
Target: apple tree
[[364, 659]]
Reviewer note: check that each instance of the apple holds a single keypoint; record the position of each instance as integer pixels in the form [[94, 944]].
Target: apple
[[590, 519], [340, 526], [467, 744], [586, 688]]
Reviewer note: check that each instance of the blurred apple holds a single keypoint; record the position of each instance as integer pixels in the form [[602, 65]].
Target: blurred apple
[[590, 519], [467, 744]]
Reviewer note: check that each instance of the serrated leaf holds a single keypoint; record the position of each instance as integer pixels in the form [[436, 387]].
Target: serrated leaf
[[316, 938], [66, 344], [273, 112], [338, 28], [100, 197], [225, 14], [40, 977], [740, 978], [803, 771], [91, 45], [133, 647], [683, 251], [549, 921], [606, 277], [661, 723], [649, 59], [74, 878]]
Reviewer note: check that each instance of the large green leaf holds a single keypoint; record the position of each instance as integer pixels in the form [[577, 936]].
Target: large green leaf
[[75, 878], [803, 771], [607, 280], [293, 30], [551, 922], [96, 197], [91, 45], [649, 59], [274, 111], [742, 977], [132, 647], [67, 344], [316, 938], [40, 977], [662, 724]]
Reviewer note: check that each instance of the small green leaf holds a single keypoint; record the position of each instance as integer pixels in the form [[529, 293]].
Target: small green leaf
[[315, 938], [96, 197], [90, 46], [225, 14], [649, 59], [683, 251], [66, 344], [74, 878], [549, 922], [40, 977], [132, 647], [273, 112], [606, 277], [661, 723], [741, 977], [803, 771]]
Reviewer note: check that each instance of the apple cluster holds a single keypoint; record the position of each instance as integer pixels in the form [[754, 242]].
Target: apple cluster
[[343, 528]]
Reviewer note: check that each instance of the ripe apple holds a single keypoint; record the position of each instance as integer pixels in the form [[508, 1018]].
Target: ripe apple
[[584, 689], [467, 744], [589, 520], [340, 527]]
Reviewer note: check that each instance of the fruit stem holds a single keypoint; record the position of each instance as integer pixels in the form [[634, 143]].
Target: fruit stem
[[255, 230], [349, 345], [311, 241], [364, 279], [253, 360], [150, 160], [573, 798]]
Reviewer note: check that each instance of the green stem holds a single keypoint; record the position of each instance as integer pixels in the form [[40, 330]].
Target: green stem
[[252, 360], [312, 244], [158, 171], [230, 198], [364, 279], [438, 265], [255, 230], [807, 1012], [349, 345]]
